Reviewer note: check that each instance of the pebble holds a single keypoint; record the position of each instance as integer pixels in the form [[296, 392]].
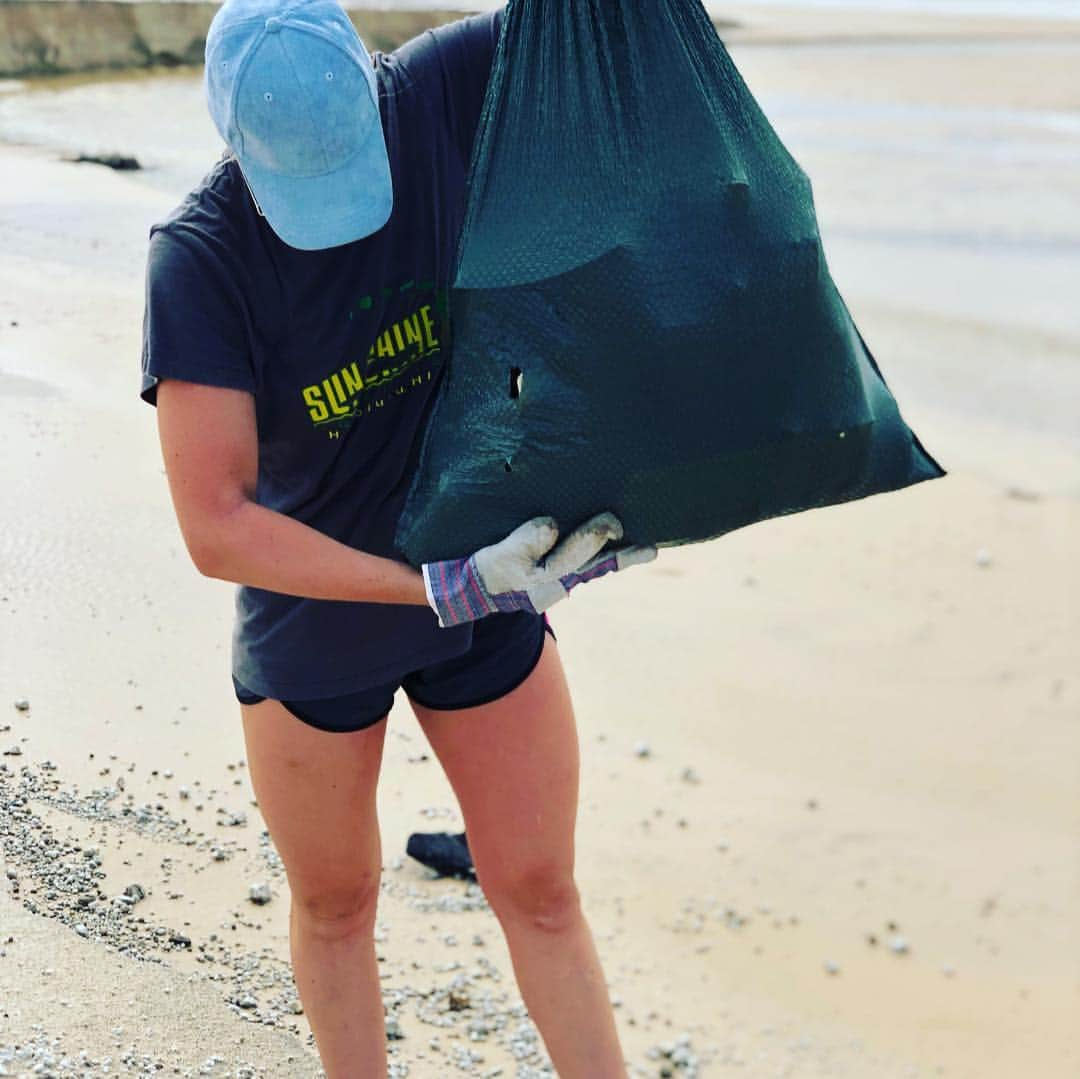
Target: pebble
[[678, 1056], [642, 749], [983, 557], [831, 967], [899, 945], [22, 705], [259, 894]]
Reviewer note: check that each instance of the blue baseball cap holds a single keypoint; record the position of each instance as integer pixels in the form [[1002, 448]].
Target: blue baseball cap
[[292, 91]]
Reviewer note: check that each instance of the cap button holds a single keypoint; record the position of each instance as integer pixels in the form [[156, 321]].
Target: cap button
[[273, 24]]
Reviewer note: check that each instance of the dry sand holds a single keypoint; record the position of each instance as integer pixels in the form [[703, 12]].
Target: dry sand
[[878, 702]]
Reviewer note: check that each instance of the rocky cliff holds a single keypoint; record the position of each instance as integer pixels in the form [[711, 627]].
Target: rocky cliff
[[44, 37]]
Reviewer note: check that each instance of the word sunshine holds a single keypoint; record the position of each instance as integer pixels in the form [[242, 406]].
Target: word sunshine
[[395, 350]]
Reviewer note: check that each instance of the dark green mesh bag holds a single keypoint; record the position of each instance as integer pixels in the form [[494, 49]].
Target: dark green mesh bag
[[642, 317]]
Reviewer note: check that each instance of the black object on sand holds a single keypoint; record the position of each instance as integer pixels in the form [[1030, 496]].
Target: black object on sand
[[119, 162], [446, 853]]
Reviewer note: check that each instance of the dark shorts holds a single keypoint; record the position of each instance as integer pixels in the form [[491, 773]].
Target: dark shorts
[[504, 651]]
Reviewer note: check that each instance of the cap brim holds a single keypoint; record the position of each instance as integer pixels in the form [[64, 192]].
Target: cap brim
[[315, 212]]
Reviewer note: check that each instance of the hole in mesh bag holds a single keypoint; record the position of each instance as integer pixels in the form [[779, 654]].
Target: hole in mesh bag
[[516, 379]]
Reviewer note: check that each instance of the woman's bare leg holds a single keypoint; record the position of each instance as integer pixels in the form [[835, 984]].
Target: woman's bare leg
[[316, 791], [513, 765]]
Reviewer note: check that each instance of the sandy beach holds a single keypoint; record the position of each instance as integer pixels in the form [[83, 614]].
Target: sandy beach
[[831, 763]]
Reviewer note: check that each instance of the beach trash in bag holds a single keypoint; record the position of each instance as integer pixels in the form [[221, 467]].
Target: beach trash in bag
[[643, 321]]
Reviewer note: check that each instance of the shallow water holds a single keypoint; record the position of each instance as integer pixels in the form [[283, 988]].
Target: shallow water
[[159, 118], [997, 183]]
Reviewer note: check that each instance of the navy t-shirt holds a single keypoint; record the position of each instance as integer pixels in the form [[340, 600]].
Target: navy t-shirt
[[343, 350]]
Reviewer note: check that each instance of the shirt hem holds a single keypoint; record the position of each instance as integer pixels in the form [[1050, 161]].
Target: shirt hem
[[395, 671]]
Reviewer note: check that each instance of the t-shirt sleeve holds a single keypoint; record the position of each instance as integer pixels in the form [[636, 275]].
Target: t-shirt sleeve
[[194, 327], [453, 63]]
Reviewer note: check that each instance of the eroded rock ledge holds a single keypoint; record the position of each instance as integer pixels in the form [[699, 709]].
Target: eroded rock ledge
[[47, 37]]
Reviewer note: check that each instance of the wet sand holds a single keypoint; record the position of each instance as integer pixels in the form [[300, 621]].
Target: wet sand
[[850, 849]]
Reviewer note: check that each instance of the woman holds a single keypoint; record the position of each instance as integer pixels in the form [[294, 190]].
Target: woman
[[293, 341]]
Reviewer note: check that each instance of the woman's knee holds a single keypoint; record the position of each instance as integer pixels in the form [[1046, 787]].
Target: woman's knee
[[337, 907], [316, 792], [543, 895]]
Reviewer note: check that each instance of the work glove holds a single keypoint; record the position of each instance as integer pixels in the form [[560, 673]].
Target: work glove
[[515, 575]]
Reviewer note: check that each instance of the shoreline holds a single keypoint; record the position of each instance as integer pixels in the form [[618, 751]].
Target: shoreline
[[57, 37], [777, 24]]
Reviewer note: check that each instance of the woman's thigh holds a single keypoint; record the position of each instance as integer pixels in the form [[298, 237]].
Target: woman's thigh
[[316, 792], [514, 765]]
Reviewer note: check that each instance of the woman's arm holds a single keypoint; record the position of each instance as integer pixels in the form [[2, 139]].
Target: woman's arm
[[210, 447]]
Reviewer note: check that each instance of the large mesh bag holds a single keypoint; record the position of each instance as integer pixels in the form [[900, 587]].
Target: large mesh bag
[[642, 317]]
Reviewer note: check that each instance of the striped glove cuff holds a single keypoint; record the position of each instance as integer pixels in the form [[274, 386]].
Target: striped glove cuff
[[456, 593]]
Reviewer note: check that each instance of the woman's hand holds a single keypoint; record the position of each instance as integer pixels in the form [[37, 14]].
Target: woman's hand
[[210, 445], [515, 575]]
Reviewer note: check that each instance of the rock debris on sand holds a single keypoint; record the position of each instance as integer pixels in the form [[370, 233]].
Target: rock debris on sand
[[471, 1020], [43, 1055]]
